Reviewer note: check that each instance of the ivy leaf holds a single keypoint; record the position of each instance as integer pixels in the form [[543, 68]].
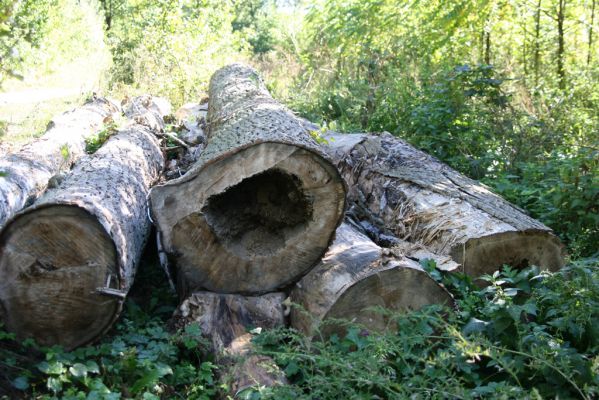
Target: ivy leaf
[[21, 383], [78, 370], [54, 384]]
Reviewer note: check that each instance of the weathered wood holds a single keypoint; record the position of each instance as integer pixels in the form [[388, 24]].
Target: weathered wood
[[226, 319], [356, 275], [262, 202], [68, 261], [24, 175], [421, 200]]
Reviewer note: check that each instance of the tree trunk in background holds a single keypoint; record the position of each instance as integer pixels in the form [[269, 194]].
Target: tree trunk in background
[[225, 319], [537, 54], [561, 72], [261, 204], [355, 275], [421, 200], [68, 261], [26, 173], [590, 53]]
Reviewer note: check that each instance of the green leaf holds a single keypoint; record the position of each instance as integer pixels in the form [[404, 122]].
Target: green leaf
[[92, 367], [78, 370], [21, 383], [292, 368], [54, 384], [52, 368]]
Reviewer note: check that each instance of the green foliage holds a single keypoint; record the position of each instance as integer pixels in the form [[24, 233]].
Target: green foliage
[[172, 48], [22, 26], [94, 142], [526, 335]]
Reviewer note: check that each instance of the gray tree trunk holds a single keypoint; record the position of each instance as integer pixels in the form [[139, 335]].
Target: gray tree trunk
[[262, 202], [24, 175], [68, 261], [421, 200], [356, 275]]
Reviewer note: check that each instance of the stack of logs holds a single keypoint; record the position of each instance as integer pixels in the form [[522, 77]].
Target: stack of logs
[[273, 223]]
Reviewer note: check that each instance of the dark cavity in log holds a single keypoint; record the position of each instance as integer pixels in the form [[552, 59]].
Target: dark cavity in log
[[251, 217]]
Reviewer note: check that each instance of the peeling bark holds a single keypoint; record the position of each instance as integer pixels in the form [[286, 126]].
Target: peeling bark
[[355, 275], [421, 200], [262, 202], [25, 174], [68, 261]]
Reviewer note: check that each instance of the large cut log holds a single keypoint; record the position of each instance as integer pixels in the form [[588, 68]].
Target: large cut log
[[421, 200], [262, 202], [24, 175], [226, 320], [354, 278], [68, 261]]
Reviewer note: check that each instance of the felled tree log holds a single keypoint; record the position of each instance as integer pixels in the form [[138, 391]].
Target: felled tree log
[[68, 261], [24, 175], [421, 200], [356, 275], [262, 202], [226, 319]]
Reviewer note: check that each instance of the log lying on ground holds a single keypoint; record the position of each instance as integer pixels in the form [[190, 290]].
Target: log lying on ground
[[25, 174], [262, 202], [354, 276], [421, 200], [225, 319], [68, 261]]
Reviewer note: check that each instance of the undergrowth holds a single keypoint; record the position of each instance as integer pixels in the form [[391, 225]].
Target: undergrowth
[[528, 334]]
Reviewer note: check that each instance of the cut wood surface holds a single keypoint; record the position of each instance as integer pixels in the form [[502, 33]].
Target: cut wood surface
[[226, 319], [262, 202], [356, 275], [68, 261], [24, 175], [421, 200]]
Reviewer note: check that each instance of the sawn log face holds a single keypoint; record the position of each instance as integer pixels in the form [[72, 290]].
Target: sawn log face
[[262, 202]]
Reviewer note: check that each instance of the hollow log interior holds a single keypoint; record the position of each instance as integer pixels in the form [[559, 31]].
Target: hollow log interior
[[252, 217]]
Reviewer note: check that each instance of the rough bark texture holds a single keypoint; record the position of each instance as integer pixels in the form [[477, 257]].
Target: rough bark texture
[[68, 261], [260, 205], [354, 275], [226, 319], [421, 200], [25, 174]]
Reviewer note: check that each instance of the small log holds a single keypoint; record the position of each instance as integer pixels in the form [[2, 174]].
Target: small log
[[68, 261], [421, 200], [226, 319], [356, 275], [25, 174], [262, 202]]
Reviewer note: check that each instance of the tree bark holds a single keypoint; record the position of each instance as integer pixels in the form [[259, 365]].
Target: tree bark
[[225, 319], [591, 25], [561, 17], [68, 261], [421, 200], [25, 174], [355, 275], [262, 202], [537, 53]]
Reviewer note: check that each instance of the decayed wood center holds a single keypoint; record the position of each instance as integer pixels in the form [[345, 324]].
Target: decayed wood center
[[261, 204]]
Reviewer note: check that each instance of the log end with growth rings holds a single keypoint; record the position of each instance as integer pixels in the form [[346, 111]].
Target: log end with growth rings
[[43, 250]]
